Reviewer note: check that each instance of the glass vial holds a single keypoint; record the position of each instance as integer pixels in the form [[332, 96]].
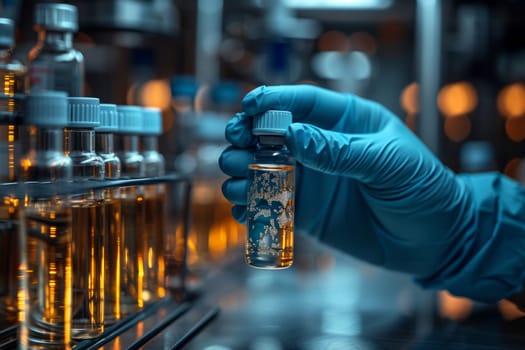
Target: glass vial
[[88, 219], [133, 210], [53, 63], [270, 209], [155, 206], [12, 75], [104, 146], [45, 228]]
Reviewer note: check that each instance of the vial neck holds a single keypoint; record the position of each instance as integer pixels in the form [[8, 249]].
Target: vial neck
[[150, 143], [43, 140], [129, 143], [79, 140], [104, 142], [271, 140], [56, 40]]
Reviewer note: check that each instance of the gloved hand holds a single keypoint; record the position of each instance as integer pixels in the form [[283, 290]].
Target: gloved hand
[[367, 185]]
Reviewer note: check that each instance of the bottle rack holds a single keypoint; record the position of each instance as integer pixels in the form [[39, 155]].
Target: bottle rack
[[160, 314]]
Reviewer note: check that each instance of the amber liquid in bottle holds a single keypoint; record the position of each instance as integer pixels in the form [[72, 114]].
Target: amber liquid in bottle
[[132, 206], [88, 218], [49, 267], [154, 221], [112, 263], [9, 270], [154, 226], [88, 225], [46, 234], [132, 226], [12, 75], [104, 146]]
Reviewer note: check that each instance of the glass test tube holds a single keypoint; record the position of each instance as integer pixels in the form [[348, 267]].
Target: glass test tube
[[104, 146], [45, 227], [155, 206], [132, 210], [12, 75], [88, 219]]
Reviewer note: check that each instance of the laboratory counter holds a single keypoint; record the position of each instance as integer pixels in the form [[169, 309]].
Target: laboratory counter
[[326, 300]]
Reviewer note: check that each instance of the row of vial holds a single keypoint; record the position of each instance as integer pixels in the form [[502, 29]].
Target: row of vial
[[72, 264], [84, 259]]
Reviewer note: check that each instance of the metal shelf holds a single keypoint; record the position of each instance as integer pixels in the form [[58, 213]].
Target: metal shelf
[[64, 187], [157, 316]]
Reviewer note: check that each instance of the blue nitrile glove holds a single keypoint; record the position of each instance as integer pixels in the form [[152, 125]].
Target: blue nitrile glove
[[367, 185]]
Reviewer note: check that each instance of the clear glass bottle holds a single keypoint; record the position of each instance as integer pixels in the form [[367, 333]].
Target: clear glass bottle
[[53, 63], [271, 193], [45, 229], [88, 220], [155, 206], [12, 75], [104, 146], [133, 209]]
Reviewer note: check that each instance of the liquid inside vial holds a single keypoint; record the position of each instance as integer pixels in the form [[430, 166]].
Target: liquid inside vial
[[49, 278], [112, 266], [9, 268], [270, 214], [154, 264], [88, 219], [132, 267]]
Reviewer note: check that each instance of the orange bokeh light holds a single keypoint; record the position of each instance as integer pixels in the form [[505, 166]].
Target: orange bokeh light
[[156, 93], [511, 169], [457, 129], [515, 128], [333, 40], [363, 41], [410, 98], [511, 101], [457, 99]]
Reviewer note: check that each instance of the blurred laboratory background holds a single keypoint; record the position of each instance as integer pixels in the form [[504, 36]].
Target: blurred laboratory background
[[452, 70]]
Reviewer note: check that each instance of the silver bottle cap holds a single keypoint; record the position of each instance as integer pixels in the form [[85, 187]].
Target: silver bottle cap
[[60, 17]]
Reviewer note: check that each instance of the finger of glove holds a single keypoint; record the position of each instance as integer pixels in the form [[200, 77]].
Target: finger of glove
[[238, 131], [234, 161], [239, 213], [235, 190], [308, 103], [353, 155]]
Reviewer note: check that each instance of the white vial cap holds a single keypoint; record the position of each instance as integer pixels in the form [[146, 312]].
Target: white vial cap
[[7, 32], [108, 118], [83, 112], [46, 109], [152, 121], [272, 122], [60, 17], [129, 119]]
